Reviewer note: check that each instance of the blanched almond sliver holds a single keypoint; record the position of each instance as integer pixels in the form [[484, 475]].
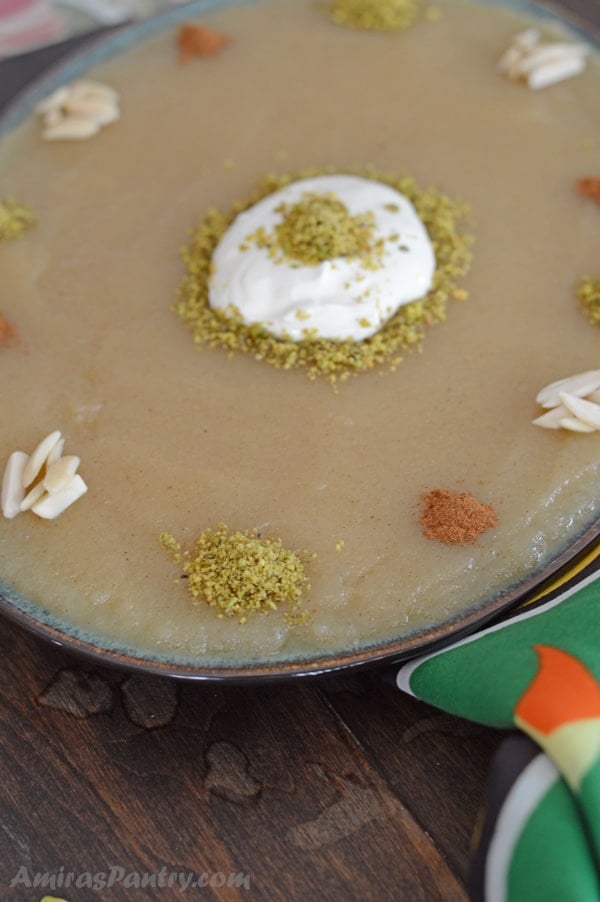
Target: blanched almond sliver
[[552, 418], [38, 458], [542, 64], [60, 473], [105, 118], [553, 72], [510, 60], [12, 484], [53, 101], [84, 87], [78, 110], [54, 117], [108, 117], [77, 90], [525, 40], [552, 53], [581, 385], [53, 505], [586, 411], [575, 425], [32, 497], [92, 108], [71, 129], [55, 453]]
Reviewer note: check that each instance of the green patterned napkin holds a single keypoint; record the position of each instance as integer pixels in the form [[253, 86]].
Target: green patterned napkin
[[538, 671]]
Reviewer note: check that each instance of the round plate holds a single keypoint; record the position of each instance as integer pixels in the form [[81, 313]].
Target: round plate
[[586, 21]]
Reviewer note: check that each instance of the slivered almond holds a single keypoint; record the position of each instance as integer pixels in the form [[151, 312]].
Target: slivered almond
[[586, 411], [52, 506], [71, 128], [55, 453], [39, 456], [581, 385], [12, 484], [32, 497], [543, 76], [52, 480], [54, 101], [101, 111], [575, 425], [509, 63], [552, 53], [540, 65], [553, 418], [77, 90], [108, 116], [78, 110], [60, 472], [85, 87], [527, 39], [52, 118]]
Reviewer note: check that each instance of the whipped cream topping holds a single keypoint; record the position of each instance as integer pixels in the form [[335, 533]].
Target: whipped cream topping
[[339, 299]]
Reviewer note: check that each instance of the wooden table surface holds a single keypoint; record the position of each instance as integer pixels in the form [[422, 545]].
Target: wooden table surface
[[340, 788], [336, 789]]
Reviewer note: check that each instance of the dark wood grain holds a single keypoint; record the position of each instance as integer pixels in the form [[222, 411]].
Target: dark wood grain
[[334, 789]]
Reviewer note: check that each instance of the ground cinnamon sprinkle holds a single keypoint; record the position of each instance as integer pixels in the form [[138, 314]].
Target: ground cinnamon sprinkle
[[455, 518], [590, 187], [8, 334], [198, 40]]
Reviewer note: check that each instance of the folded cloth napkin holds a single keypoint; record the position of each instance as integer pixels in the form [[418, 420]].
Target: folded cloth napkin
[[539, 671], [28, 24]]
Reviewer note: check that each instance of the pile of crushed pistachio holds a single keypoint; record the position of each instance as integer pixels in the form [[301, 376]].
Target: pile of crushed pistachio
[[444, 220], [240, 572], [375, 15], [15, 220], [588, 293], [572, 403], [319, 227]]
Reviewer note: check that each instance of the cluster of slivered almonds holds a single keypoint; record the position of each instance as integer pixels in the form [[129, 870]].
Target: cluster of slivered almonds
[[541, 65], [572, 403], [78, 110], [44, 482]]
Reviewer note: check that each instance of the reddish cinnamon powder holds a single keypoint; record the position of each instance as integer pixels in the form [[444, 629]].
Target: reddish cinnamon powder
[[8, 334], [197, 40], [455, 518], [590, 187]]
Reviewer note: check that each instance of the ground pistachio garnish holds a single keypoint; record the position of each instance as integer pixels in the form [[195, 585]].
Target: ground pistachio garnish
[[15, 220], [444, 220], [319, 227], [242, 573], [374, 15], [588, 293]]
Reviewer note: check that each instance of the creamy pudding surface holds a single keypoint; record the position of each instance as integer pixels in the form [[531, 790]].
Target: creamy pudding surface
[[179, 438]]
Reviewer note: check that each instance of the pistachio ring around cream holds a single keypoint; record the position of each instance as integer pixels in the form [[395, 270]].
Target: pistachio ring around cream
[[347, 296]]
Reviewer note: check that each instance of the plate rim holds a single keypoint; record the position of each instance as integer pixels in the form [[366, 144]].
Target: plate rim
[[97, 50]]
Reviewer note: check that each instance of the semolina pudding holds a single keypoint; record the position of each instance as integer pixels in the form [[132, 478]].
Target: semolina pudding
[[198, 436]]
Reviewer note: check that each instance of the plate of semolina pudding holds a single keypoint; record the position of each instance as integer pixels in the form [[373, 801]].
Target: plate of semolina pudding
[[284, 287]]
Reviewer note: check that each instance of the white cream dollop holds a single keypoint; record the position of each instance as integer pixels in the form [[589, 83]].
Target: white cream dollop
[[336, 299]]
